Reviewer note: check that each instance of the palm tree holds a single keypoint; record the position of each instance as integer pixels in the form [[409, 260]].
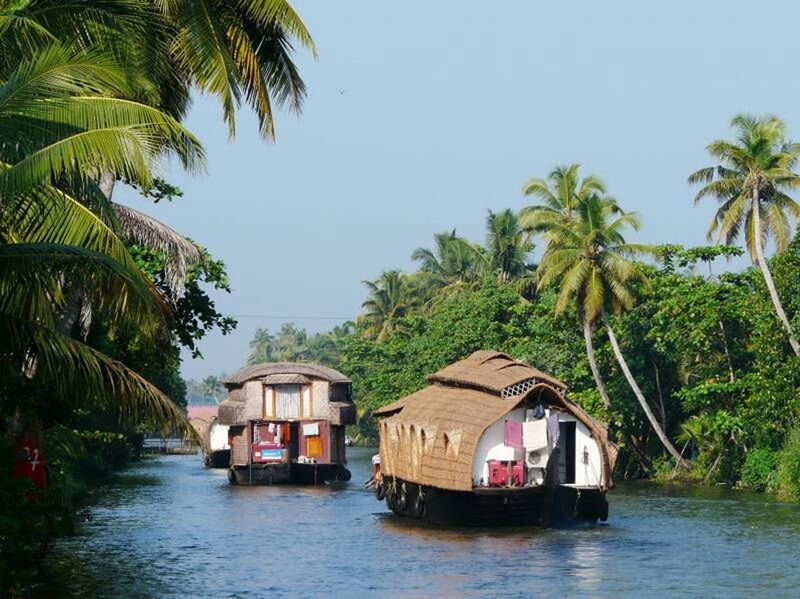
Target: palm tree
[[752, 182], [61, 123], [389, 299], [212, 386], [560, 193], [237, 51], [452, 261], [261, 346], [590, 262], [508, 245]]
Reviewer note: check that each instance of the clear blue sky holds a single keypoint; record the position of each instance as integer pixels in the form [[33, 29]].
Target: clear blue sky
[[421, 115]]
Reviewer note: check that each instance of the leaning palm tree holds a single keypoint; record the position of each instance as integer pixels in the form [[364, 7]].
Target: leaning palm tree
[[560, 194], [389, 299], [590, 263], [752, 181]]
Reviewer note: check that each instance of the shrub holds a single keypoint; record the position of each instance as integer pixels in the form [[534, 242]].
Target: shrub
[[787, 473], [758, 469]]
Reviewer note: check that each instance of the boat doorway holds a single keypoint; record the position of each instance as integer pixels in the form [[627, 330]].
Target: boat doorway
[[566, 459], [294, 441]]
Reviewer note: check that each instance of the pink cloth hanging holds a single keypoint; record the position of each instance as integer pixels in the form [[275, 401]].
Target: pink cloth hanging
[[512, 436]]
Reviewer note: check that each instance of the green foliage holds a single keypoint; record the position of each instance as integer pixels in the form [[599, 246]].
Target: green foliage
[[758, 469], [787, 475]]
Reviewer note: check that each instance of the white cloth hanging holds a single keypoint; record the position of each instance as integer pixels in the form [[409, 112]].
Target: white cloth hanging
[[534, 434]]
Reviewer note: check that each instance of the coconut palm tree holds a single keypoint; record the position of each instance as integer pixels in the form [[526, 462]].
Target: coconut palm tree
[[752, 180], [261, 346], [452, 260], [240, 52], [389, 299], [560, 194], [589, 262], [508, 245]]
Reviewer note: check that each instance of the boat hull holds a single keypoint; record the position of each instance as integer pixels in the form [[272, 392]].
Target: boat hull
[[220, 458], [497, 506], [284, 473]]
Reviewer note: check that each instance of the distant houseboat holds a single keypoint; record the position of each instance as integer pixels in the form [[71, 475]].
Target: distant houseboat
[[213, 435], [491, 442], [287, 424]]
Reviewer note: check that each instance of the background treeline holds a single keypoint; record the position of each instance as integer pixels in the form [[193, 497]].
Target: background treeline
[[712, 389]]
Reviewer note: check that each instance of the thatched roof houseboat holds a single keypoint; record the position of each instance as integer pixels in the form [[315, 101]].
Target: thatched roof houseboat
[[213, 435], [287, 423], [493, 441]]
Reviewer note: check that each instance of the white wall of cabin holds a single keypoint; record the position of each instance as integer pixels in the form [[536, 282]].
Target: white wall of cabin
[[491, 447], [218, 436]]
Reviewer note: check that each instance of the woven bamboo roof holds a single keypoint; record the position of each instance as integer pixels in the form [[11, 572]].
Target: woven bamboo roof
[[430, 436], [272, 368], [491, 370], [286, 379]]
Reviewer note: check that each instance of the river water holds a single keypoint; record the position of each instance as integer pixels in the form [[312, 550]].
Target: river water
[[171, 528]]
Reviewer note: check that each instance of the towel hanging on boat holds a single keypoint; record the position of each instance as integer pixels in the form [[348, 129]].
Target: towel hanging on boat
[[534, 434], [553, 429], [512, 436], [309, 430]]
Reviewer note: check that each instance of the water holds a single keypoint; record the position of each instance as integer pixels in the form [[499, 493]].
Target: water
[[171, 528]]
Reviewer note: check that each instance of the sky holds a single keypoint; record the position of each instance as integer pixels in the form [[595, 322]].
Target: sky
[[421, 116]]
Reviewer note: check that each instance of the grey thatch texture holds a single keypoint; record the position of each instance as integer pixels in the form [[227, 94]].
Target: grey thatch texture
[[430, 437], [272, 368], [202, 427], [286, 379]]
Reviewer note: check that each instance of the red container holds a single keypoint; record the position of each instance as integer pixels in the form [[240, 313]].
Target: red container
[[518, 474], [498, 473]]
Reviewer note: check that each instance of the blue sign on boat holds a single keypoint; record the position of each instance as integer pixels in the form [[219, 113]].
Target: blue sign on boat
[[271, 455]]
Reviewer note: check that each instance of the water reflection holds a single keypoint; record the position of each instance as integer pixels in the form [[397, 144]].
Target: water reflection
[[172, 528]]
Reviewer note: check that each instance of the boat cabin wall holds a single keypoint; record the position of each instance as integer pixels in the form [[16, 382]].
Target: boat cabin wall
[[579, 455], [218, 437]]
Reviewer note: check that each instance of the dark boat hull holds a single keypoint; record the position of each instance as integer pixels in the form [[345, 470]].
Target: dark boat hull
[[297, 474], [220, 458], [497, 506]]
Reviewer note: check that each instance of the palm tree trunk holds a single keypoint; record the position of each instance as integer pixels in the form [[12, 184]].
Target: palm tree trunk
[[601, 387], [640, 396], [762, 264]]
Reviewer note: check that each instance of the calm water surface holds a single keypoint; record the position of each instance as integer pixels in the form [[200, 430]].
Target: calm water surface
[[171, 528]]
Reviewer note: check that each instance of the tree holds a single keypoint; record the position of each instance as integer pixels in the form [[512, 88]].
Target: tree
[[589, 261], [261, 347], [508, 245], [212, 387], [451, 262], [752, 182], [560, 194], [389, 299]]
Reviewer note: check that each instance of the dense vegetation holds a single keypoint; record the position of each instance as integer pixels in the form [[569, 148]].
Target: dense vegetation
[[97, 299]]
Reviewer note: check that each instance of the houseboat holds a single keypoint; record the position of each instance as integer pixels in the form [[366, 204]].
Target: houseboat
[[287, 424], [492, 442], [212, 434]]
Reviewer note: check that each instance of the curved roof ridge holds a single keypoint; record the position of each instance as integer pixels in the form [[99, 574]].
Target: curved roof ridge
[[269, 368], [492, 371]]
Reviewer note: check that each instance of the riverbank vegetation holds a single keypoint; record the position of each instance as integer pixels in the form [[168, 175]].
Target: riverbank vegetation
[[98, 299], [694, 370]]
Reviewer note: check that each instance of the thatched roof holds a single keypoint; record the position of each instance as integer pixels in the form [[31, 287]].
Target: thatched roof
[[202, 427], [430, 437], [493, 371], [286, 379], [313, 371]]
